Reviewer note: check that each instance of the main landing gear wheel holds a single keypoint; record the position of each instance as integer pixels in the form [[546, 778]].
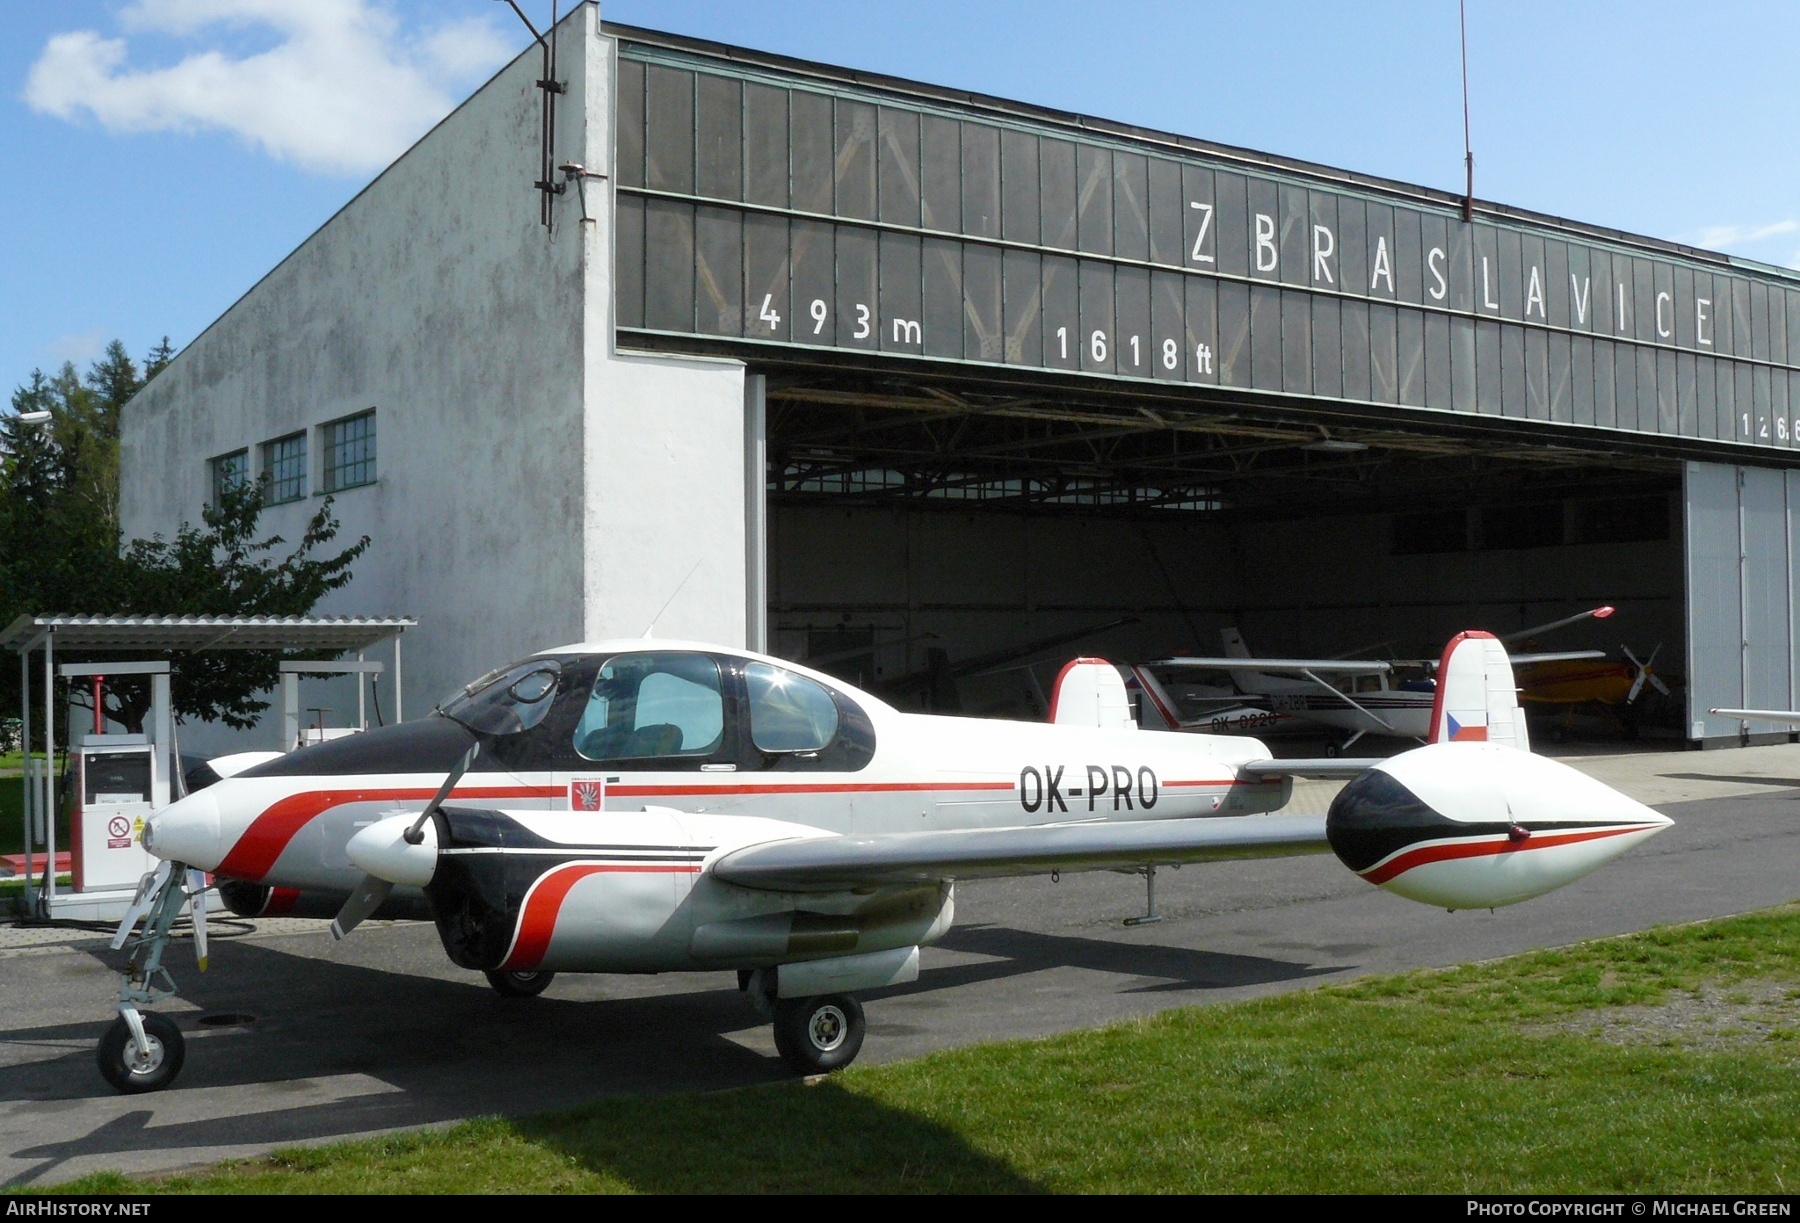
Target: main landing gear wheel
[[520, 984], [131, 1069], [819, 1035]]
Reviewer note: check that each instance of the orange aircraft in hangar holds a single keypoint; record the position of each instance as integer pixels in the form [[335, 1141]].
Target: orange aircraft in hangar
[[1573, 683]]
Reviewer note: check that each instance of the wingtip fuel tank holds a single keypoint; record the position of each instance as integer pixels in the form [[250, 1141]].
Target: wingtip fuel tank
[[1481, 825]]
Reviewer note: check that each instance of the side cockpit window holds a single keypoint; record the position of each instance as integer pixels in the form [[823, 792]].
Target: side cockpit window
[[788, 712], [647, 706]]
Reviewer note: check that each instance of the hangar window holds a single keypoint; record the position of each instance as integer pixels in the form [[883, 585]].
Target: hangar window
[[284, 469], [645, 706], [1431, 531], [228, 471], [349, 451], [1622, 521], [1522, 526]]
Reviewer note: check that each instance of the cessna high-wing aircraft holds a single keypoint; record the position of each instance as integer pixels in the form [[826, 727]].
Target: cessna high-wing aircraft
[[1355, 696], [650, 806]]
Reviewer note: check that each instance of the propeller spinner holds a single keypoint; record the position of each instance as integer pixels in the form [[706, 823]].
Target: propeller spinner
[[373, 889]]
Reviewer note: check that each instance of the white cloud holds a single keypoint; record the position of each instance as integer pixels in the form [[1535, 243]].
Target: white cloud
[[342, 91], [1720, 237], [79, 347]]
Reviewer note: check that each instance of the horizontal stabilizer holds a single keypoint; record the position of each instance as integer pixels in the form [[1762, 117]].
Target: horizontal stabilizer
[[1335, 766], [818, 864]]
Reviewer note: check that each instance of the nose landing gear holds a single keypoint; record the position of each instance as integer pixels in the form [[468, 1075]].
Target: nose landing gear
[[143, 1050]]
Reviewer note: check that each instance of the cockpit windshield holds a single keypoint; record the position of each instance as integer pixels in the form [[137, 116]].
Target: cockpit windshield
[[506, 701]]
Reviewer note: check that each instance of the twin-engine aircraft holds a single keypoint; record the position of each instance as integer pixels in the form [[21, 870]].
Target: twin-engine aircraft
[[637, 806]]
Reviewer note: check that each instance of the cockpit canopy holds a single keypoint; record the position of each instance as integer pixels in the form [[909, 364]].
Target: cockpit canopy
[[663, 709]]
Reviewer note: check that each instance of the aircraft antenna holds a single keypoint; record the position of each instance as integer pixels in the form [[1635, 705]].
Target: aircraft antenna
[[1468, 209], [665, 607]]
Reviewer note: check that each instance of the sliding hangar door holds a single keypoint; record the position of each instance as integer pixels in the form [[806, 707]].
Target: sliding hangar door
[[1033, 384]]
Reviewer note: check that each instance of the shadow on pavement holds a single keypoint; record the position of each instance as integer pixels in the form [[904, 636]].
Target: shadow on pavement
[[336, 1050]]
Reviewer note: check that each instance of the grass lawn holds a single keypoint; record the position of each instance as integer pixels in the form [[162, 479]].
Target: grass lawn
[[1667, 1061]]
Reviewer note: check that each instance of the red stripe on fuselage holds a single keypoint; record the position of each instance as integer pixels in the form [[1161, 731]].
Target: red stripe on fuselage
[[537, 917], [1406, 860], [867, 787], [262, 843]]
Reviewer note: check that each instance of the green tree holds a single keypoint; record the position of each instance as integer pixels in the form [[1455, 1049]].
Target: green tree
[[61, 548]]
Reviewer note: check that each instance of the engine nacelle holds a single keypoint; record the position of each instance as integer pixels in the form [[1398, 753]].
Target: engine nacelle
[[1480, 825]]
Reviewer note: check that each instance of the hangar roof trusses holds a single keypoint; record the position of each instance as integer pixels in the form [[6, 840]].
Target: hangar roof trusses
[[874, 440]]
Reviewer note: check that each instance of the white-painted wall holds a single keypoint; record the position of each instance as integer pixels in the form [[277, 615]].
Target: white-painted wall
[[535, 487]]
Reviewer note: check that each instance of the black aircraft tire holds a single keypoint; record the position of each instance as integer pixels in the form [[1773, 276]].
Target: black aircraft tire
[[520, 984], [119, 1061], [819, 1035]]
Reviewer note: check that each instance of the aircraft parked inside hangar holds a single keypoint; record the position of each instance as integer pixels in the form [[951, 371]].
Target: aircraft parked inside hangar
[[638, 806], [1355, 696]]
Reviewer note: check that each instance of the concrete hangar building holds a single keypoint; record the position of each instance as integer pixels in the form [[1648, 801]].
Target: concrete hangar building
[[770, 352]]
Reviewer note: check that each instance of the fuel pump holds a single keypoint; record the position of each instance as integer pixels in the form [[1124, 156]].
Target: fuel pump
[[115, 781]]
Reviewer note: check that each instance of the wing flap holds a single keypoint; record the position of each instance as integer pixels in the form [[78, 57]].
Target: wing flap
[[835, 863]]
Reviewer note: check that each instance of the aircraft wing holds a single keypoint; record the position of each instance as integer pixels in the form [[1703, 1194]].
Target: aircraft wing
[[1760, 715], [1337, 666], [1525, 660], [1338, 766], [833, 863]]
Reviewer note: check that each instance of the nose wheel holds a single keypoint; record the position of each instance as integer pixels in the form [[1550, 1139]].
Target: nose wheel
[[819, 1035], [132, 1064]]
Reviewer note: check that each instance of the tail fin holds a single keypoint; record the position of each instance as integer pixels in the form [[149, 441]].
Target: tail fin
[[1477, 697], [1089, 692], [1249, 682], [1159, 708]]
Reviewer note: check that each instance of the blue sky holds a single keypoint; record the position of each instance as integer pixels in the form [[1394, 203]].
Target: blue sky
[[158, 156]]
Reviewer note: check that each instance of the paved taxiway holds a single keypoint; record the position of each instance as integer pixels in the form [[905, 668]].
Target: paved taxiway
[[381, 1033]]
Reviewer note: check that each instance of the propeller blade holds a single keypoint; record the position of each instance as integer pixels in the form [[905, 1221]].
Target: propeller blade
[[415, 834], [196, 889], [1637, 686], [147, 889], [1656, 683], [363, 901]]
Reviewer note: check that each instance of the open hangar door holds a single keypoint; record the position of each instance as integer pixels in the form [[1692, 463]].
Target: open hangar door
[[949, 544]]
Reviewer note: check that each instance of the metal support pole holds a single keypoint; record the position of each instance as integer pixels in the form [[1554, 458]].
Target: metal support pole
[[48, 896], [399, 714], [756, 514], [30, 778], [165, 764], [362, 699], [290, 711]]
